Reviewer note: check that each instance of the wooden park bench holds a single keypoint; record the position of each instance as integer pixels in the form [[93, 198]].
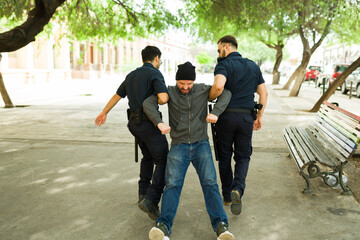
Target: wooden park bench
[[327, 143]]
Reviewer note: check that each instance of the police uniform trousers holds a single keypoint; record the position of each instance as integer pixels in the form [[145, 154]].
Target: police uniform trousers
[[234, 133], [154, 148]]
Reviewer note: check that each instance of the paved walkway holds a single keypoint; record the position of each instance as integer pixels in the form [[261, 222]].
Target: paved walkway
[[61, 177]]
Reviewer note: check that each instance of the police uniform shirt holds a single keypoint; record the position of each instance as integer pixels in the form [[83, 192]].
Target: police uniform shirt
[[242, 78], [140, 84]]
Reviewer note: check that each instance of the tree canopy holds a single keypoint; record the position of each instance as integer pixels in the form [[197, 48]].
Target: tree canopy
[[269, 22], [83, 19], [273, 22]]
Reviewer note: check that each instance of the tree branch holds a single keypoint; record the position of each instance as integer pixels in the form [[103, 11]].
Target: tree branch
[[22, 35], [129, 12]]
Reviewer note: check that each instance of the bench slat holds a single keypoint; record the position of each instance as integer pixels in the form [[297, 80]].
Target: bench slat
[[333, 148], [336, 139], [349, 114], [344, 138], [303, 143], [297, 159], [305, 159], [317, 148], [342, 121], [348, 122]]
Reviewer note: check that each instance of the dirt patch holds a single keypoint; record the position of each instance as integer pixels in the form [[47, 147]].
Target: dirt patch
[[355, 160]]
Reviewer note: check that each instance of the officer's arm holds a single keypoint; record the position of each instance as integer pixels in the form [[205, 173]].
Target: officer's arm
[[218, 86], [162, 98], [263, 95], [101, 118]]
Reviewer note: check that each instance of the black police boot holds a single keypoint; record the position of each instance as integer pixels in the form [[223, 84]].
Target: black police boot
[[150, 208]]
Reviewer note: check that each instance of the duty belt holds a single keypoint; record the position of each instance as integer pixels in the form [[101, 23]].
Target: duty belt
[[238, 110], [139, 114]]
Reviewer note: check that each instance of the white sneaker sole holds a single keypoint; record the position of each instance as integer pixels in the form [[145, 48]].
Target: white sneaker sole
[[226, 236], [156, 234]]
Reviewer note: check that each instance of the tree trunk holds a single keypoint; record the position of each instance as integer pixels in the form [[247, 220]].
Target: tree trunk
[[300, 72], [327, 94], [291, 79], [4, 93], [279, 56]]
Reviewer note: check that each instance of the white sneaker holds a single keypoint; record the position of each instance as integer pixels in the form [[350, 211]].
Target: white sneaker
[[159, 232], [156, 234], [226, 236]]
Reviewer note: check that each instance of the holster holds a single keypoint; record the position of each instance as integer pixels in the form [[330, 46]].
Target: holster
[[254, 113], [258, 106], [138, 116]]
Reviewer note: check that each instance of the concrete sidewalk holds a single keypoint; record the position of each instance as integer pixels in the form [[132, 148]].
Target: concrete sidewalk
[[64, 178]]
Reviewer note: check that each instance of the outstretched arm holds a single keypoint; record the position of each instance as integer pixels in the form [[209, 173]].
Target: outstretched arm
[[101, 118], [263, 95]]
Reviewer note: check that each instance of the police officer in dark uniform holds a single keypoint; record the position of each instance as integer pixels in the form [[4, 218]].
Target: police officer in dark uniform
[[235, 126], [137, 86]]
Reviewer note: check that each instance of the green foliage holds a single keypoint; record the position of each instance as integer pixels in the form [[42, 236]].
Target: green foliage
[[111, 20], [13, 10], [268, 21], [256, 50], [204, 58], [206, 61], [105, 20], [346, 27]]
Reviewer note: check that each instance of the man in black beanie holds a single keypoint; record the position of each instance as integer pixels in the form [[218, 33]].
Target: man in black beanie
[[187, 107]]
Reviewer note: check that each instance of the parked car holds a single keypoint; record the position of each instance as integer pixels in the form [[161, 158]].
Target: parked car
[[339, 69], [330, 74], [352, 81], [312, 73]]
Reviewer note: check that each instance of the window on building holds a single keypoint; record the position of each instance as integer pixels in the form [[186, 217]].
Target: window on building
[[125, 52], [92, 53], [71, 48]]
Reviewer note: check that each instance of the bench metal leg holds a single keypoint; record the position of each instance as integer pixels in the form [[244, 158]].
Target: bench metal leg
[[307, 189], [342, 184], [314, 171]]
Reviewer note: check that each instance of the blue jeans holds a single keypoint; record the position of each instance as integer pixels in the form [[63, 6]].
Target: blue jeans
[[178, 161]]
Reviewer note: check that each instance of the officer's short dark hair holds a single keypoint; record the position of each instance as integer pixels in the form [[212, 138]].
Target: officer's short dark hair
[[228, 39], [149, 53]]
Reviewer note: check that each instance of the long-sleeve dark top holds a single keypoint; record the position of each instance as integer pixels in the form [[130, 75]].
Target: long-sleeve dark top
[[187, 112]]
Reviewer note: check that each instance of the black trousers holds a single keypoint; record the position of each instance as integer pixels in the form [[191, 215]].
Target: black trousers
[[234, 133], [154, 148]]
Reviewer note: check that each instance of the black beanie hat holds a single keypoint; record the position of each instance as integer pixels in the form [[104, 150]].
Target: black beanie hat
[[186, 71]]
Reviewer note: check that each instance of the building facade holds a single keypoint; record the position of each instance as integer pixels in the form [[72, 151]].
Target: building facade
[[59, 59]]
